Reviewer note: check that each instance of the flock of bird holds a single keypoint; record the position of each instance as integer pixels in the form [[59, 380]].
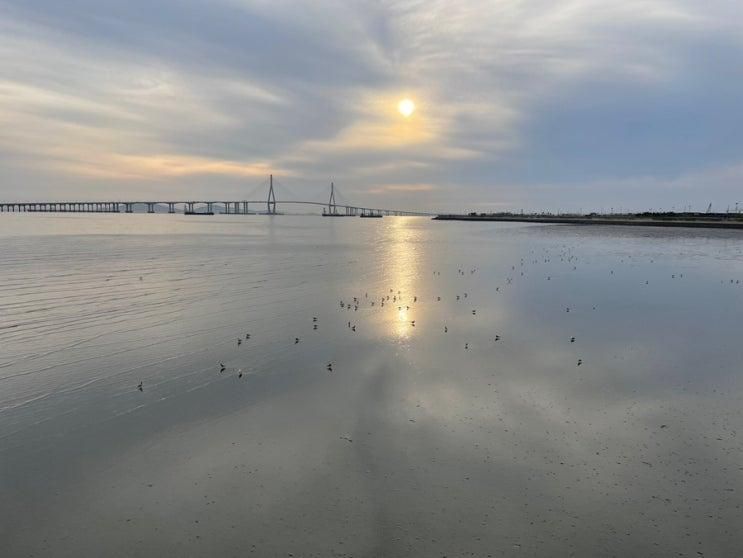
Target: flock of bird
[[392, 298]]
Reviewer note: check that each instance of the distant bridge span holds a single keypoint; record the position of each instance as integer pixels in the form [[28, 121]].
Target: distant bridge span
[[233, 207]]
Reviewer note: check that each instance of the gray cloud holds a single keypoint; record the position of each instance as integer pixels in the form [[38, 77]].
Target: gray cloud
[[531, 104]]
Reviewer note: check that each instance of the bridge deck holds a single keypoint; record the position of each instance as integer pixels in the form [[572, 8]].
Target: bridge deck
[[236, 207]]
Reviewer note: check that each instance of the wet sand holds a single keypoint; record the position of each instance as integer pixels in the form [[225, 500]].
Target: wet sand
[[417, 441]]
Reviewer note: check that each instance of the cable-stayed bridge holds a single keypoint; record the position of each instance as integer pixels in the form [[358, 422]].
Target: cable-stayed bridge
[[268, 206]]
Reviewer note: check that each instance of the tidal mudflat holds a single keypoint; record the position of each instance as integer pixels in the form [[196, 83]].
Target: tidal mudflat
[[248, 385]]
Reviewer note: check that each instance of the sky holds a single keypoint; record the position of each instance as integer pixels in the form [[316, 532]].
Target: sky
[[540, 105]]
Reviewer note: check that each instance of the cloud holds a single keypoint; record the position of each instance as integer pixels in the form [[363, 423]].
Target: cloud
[[386, 188], [514, 99]]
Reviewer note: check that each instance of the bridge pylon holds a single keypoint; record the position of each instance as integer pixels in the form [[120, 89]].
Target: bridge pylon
[[332, 209], [271, 203]]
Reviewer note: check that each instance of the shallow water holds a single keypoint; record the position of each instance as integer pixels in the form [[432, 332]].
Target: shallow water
[[418, 442]]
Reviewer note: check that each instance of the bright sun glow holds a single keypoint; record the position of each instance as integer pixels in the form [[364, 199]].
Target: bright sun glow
[[406, 107]]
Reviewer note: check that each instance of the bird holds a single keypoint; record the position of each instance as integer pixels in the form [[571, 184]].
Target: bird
[[221, 367], [239, 341], [580, 361], [296, 340], [239, 373], [446, 329], [247, 336], [139, 387], [330, 367], [466, 345], [497, 337], [314, 318], [572, 339]]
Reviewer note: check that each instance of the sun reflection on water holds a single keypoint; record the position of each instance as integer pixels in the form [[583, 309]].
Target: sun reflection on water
[[401, 272]]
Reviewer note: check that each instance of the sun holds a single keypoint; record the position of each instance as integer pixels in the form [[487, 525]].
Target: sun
[[406, 107]]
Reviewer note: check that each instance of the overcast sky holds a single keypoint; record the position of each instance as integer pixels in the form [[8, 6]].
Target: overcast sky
[[535, 104]]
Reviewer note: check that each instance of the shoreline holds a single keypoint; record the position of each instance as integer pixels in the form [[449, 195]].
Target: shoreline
[[637, 222]]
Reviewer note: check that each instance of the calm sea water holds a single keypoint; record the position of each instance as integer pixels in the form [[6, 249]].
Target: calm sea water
[[458, 417]]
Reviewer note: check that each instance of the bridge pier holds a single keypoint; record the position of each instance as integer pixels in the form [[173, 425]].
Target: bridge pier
[[171, 207], [150, 207]]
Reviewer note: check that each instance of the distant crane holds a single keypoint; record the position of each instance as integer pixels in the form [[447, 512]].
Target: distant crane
[[709, 208]]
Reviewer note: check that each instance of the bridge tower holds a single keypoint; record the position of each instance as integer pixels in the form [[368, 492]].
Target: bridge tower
[[331, 201], [271, 203]]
